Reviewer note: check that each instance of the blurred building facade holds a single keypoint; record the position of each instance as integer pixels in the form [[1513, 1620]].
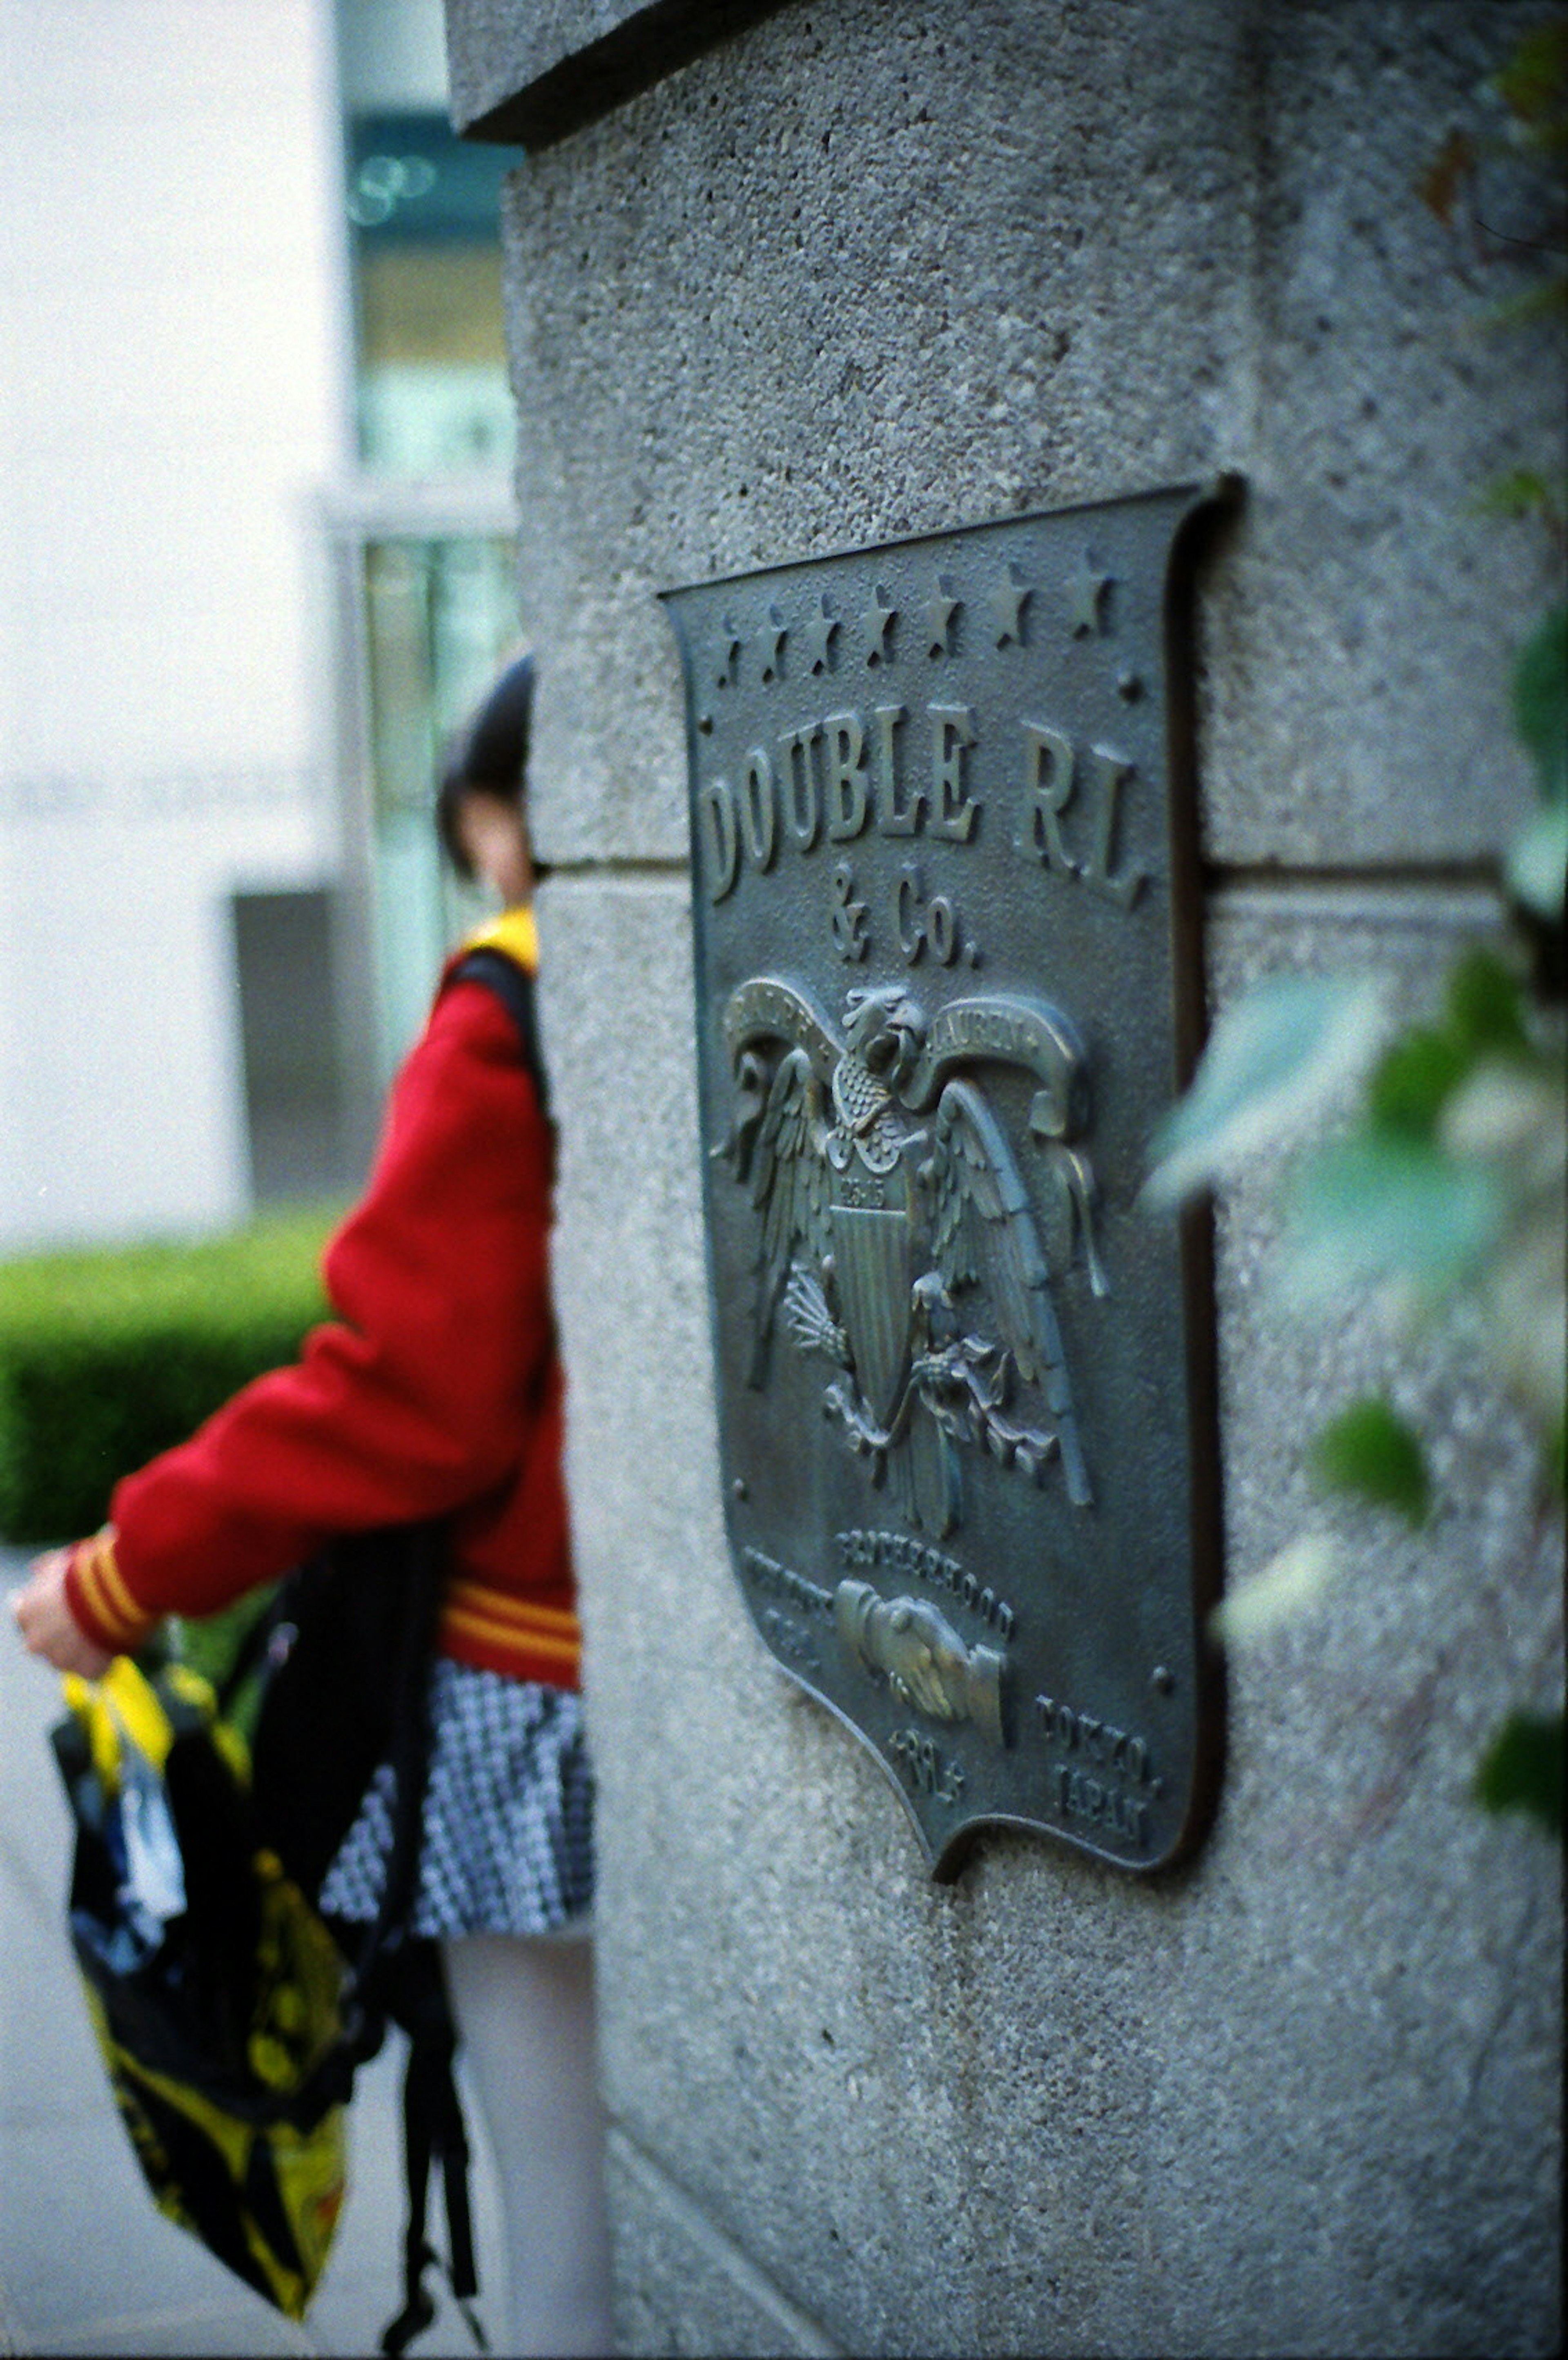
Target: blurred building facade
[[167, 208], [256, 556], [418, 529]]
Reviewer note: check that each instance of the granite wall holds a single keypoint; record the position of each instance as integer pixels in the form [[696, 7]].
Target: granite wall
[[816, 276]]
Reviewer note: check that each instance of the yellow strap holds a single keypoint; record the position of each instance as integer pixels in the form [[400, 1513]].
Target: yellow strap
[[120, 1708], [515, 933], [102, 1729], [142, 1715]]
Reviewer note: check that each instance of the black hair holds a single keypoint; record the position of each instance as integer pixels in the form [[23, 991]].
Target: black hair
[[488, 758]]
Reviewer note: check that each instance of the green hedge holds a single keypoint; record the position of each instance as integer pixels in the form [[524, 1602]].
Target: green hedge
[[108, 1357]]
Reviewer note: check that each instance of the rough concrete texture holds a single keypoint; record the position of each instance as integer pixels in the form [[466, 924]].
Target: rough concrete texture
[[1361, 630], [1302, 2100], [870, 271], [685, 2286]]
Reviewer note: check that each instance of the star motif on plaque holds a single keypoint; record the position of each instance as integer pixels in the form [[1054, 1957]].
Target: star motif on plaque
[[1087, 591], [878, 616], [773, 640], [729, 655], [940, 608], [821, 631], [1008, 600]]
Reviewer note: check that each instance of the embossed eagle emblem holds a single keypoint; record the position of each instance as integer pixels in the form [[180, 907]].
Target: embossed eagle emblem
[[895, 1238]]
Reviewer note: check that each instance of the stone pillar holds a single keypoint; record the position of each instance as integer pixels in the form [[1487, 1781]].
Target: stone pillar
[[789, 281]]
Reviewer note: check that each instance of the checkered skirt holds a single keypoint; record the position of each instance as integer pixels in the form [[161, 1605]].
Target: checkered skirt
[[507, 1838]]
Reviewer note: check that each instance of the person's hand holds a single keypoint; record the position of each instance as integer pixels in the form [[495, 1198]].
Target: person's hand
[[47, 1624]]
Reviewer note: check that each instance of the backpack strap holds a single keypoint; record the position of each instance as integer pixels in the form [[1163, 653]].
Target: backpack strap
[[424, 1549], [399, 1974], [433, 2132], [513, 987]]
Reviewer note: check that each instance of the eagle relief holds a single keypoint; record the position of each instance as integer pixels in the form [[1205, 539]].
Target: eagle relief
[[945, 939], [894, 1233]]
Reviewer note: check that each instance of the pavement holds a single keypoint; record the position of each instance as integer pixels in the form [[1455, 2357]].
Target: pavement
[[87, 2266]]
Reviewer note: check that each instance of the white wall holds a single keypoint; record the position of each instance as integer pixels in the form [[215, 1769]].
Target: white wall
[[172, 357], [393, 53]]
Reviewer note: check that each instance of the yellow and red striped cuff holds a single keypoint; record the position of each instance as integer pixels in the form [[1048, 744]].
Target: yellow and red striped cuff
[[513, 1635], [96, 1594]]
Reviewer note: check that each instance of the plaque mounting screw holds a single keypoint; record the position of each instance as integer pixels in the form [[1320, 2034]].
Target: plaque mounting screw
[[1162, 1681], [741, 1488]]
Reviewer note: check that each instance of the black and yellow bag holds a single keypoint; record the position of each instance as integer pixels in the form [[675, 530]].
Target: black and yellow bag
[[216, 1992], [231, 2015]]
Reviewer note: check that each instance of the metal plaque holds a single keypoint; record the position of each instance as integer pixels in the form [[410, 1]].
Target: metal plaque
[[945, 896]]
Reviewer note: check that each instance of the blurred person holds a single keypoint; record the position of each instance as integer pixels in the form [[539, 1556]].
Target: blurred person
[[436, 1393]]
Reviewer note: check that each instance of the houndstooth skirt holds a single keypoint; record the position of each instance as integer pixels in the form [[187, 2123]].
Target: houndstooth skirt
[[507, 1836]]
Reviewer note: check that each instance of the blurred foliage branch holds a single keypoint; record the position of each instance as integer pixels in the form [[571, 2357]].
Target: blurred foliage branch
[[1444, 1194]]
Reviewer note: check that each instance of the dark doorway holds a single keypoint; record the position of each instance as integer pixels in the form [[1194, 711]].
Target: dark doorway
[[294, 1095]]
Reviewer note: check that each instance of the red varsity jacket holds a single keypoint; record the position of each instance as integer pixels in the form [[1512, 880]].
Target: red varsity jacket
[[435, 1392]]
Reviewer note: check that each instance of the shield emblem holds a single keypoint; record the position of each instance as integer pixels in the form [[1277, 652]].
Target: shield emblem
[[871, 1250], [947, 954]]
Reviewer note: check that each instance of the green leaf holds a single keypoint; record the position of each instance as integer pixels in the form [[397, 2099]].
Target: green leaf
[[1412, 1081], [1521, 1770], [1375, 1207], [1419, 1073], [1522, 310], [1290, 1583], [1520, 492], [1533, 83], [1537, 865], [1486, 1006], [1370, 1452], [1272, 1058], [1541, 702]]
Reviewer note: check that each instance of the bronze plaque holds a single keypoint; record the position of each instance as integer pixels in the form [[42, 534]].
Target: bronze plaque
[[947, 937]]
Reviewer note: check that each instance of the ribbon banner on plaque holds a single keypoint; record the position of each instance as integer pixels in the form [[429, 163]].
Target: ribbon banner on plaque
[[945, 895]]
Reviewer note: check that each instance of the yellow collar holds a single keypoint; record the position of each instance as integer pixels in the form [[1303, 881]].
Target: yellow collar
[[515, 933]]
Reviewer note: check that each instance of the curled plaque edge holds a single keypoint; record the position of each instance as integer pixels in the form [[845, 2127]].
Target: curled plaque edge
[[1212, 504]]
